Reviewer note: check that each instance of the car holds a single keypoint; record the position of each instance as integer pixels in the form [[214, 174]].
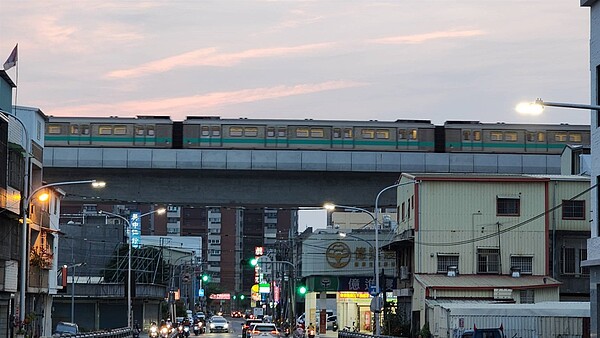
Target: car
[[332, 323], [218, 324], [247, 324], [263, 330], [236, 314], [66, 327]]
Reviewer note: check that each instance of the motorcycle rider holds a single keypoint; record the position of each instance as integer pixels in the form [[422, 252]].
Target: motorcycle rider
[[153, 330], [311, 330], [136, 330]]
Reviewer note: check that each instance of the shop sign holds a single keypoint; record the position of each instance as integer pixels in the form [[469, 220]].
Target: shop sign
[[353, 295]]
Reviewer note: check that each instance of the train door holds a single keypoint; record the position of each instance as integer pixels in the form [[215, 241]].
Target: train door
[[73, 134], [336, 138], [210, 136], [536, 142], [85, 134], [276, 137], [348, 138], [139, 135], [471, 140]]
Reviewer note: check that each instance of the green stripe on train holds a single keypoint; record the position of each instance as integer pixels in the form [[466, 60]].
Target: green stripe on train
[[106, 139], [505, 145]]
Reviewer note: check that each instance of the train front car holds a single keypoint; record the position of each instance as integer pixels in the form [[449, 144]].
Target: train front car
[[477, 137], [214, 132], [117, 132]]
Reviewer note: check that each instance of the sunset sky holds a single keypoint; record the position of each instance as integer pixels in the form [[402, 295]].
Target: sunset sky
[[355, 60]]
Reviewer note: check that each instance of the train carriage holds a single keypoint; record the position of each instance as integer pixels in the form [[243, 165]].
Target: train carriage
[[474, 136], [155, 132]]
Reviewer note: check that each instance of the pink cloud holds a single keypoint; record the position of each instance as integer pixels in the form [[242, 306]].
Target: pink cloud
[[420, 38], [210, 57], [197, 104]]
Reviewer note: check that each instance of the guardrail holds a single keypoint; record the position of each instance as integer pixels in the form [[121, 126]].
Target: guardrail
[[350, 334], [113, 333]]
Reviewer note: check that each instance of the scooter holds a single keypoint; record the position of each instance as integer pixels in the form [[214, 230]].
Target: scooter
[[334, 327], [198, 328], [311, 333], [153, 332], [164, 332]]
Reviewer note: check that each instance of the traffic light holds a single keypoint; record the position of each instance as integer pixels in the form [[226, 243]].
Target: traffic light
[[254, 261], [205, 278], [234, 297], [242, 297], [302, 290]]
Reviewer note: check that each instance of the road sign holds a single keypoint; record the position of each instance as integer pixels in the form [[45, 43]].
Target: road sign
[[201, 293], [373, 290], [376, 304]]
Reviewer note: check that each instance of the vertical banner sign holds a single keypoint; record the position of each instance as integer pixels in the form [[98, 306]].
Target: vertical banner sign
[[136, 229], [276, 292]]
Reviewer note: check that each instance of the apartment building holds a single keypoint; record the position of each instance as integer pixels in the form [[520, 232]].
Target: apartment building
[[488, 238]]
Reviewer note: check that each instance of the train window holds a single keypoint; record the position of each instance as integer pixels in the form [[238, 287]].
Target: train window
[[281, 132], [575, 137], [120, 130], [541, 137], [85, 130], [401, 134], [216, 131], [337, 133], [466, 135], [74, 129], [250, 131], [510, 136], [150, 130], [477, 135], [271, 132], [53, 129], [530, 136], [560, 137], [317, 132], [236, 131], [348, 133], [302, 132], [368, 133], [382, 134], [205, 131], [105, 130], [496, 136], [139, 130], [412, 135]]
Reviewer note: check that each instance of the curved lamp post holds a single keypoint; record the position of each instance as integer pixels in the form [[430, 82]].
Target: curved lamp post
[[24, 231], [73, 287], [157, 211], [537, 107], [172, 284]]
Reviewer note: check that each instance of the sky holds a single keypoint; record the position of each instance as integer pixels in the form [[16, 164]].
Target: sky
[[436, 60]]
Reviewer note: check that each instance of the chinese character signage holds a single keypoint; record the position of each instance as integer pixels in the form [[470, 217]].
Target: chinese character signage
[[136, 229]]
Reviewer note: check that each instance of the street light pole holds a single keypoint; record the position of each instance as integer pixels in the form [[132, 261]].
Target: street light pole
[[129, 309], [24, 231], [73, 287]]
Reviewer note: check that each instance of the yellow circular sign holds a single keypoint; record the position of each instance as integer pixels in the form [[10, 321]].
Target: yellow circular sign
[[254, 288], [338, 255]]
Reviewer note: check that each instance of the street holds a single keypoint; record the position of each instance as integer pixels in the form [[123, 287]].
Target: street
[[235, 331]]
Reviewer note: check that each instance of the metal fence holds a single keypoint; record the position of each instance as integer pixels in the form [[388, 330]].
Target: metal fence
[[114, 333]]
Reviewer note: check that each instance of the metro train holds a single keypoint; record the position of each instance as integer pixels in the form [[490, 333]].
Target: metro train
[[213, 132]]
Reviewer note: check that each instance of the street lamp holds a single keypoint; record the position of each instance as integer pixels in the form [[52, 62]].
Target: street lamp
[[256, 261], [24, 231], [73, 288], [172, 283], [537, 107], [157, 211]]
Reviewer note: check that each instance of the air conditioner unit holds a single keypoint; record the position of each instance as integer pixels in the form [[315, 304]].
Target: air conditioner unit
[[404, 273], [114, 221]]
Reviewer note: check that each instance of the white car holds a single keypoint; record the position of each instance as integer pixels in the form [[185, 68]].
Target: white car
[[263, 330], [218, 324]]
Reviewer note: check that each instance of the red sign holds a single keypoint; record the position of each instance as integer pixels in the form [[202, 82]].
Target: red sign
[[220, 296]]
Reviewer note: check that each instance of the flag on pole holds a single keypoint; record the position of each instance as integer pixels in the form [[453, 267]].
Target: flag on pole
[[12, 59]]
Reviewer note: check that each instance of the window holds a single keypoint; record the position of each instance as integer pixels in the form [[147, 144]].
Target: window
[[541, 137], [560, 137], [526, 296], [38, 130], [530, 136], [508, 206], [466, 135], [582, 257], [235, 131], [120, 130], [205, 131], [412, 135], [348, 133], [139, 130], [216, 131], [270, 132], [446, 260], [568, 262], [403, 212], [150, 130], [575, 137], [85, 130], [401, 134], [53, 129], [74, 129], [496, 136], [510, 136], [281, 132], [368, 133], [382, 134], [573, 209], [302, 132], [488, 260], [105, 130], [251, 131], [317, 132], [477, 135], [524, 263], [337, 133]]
